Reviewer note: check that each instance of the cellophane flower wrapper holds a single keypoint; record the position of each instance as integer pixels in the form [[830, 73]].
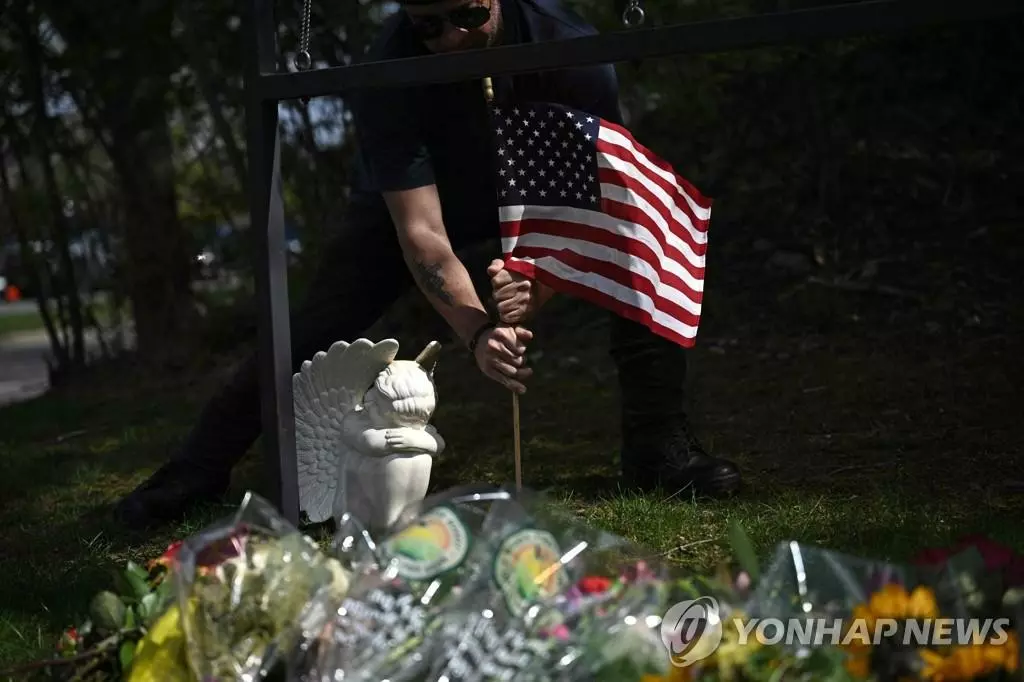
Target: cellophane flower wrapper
[[620, 639], [557, 592], [433, 557], [806, 581], [355, 551], [241, 585]]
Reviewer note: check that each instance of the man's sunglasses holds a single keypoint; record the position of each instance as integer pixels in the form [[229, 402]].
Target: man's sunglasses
[[467, 17]]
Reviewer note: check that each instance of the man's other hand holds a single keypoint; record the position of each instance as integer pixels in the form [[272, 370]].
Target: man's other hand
[[516, 296], [501, 355]]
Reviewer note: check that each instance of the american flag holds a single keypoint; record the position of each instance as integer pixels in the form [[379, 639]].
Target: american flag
[[590, 212]]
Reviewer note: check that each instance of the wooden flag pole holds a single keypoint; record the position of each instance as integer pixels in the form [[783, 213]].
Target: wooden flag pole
[[515, 430], [489, 95]]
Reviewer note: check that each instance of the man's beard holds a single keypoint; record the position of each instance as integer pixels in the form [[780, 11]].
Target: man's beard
[[494, 38]]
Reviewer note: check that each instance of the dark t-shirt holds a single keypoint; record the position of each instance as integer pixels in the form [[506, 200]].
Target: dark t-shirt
[[439, 133]]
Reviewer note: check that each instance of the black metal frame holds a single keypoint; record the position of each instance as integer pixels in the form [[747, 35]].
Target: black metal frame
[[266, 86]]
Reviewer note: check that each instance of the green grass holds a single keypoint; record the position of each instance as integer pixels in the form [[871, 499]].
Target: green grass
[[877, 445], [16, 323], [20, 322]]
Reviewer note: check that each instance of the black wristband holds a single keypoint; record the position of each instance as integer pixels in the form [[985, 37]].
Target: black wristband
[[484, 328]]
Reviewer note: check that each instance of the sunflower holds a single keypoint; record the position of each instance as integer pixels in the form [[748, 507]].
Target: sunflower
[[895, 603], [972, 661], [733, 653], [891, 602], [858, 659]]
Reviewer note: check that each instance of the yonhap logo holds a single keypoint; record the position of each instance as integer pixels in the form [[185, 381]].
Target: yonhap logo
[[692, 630]]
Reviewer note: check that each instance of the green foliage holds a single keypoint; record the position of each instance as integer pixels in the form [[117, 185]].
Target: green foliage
[[743, 550]]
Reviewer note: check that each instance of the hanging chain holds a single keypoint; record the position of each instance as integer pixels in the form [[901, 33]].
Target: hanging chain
[[303, 59], [634, 14]]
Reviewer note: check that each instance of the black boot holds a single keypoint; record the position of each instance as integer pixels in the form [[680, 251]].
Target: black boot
[[200, 470], [170, 493], [659, 449]]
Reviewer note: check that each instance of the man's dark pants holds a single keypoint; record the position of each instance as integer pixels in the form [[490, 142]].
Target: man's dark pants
[[361, 273]]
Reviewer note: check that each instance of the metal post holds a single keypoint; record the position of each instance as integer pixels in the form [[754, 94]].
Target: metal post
[[267, 222]]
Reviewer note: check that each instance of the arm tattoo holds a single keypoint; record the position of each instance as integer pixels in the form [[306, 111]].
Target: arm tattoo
[[433, 282]]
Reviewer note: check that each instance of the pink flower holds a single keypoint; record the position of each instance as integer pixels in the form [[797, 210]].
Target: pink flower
[[594, 584], [997, 556], [69, 640], [1013, 574], [560, 631], [172, 549], [933, 556]]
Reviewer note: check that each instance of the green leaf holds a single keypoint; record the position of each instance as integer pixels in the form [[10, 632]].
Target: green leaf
[[107, 611], [129, 619], [165, 591], [147, 607], [121, 585], [126, 653], [743, 550], [137, 578]]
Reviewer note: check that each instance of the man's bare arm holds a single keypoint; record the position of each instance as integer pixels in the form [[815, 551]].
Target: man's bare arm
[[440, 274]]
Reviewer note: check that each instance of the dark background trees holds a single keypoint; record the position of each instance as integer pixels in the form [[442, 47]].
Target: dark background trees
[[123, 128]]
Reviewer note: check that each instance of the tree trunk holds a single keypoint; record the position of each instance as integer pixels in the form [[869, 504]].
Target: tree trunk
[[130, 113], [157, 269], [44, 132], [29, 262]]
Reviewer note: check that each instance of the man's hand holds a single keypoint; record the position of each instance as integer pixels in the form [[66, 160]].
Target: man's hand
[[501, 355], [518, 299]]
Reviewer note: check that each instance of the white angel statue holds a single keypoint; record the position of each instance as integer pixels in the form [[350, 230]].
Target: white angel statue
[[362, 432]]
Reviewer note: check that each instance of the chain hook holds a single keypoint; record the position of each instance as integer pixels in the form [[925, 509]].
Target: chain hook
[[634, 14], [303, 59]]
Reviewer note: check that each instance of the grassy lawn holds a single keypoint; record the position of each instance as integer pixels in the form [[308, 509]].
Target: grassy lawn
[[15, 323], [861, 423], [30, 320]]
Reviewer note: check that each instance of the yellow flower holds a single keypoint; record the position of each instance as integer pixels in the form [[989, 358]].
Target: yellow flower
[[892, 602], [858, 659], [965, 663], [162, 654], [732, 653]]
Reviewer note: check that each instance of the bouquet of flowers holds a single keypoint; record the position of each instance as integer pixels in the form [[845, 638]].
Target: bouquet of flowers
[[487, 584], [954, 615], [242, 585], [433, 558]]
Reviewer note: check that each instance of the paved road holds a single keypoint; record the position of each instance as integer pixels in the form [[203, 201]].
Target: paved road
[[23, 370], [17, 308]]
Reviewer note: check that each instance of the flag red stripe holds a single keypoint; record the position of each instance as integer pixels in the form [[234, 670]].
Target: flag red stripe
[[677, 199], [695, 194], [633, 213], [572, 230], [623, 276], [599, 298]]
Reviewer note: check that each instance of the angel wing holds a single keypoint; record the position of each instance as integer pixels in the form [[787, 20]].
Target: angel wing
[[325, 389]]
